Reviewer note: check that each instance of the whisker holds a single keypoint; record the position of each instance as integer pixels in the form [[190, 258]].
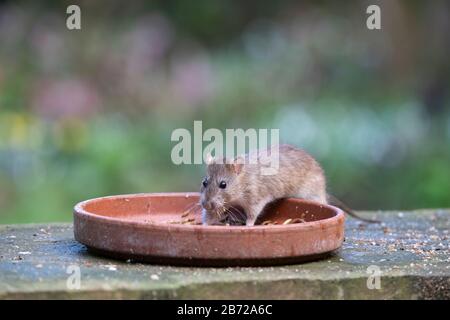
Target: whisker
[[233, 216], [192, 207], [231, 206], [220, 212], [236, 209]]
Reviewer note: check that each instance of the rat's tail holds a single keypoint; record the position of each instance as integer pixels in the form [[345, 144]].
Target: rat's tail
[[338, 203]]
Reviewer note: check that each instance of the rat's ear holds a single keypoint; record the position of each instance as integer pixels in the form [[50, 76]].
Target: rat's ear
[[237, 165], [209, 159]]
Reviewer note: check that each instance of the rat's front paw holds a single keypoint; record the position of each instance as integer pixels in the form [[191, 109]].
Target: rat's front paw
[[250, 221]]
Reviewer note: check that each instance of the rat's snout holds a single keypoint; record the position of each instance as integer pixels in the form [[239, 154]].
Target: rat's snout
[[209, 205]]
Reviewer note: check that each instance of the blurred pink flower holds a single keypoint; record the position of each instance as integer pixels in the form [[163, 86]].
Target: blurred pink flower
[[56, 99], [48, 45], [1, 77], [192, 79], [12, 25], [147, 43]]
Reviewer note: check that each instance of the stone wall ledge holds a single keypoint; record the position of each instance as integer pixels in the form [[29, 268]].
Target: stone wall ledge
[[410, 249]]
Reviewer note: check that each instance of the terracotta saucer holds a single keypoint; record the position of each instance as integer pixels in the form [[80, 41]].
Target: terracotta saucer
[[165, 228]]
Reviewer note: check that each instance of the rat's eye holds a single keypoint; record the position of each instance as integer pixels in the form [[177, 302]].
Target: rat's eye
[[222, 184], [205, 182]]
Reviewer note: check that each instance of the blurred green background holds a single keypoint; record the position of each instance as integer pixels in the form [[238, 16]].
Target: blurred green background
[[89, 113]]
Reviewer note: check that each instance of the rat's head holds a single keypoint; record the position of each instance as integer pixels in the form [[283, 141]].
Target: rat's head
[[220, 188]]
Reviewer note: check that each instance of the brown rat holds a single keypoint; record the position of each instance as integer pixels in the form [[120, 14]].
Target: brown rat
[[240, 184]]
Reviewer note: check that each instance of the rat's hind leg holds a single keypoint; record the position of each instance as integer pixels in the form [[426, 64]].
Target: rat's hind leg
[[320, 197]]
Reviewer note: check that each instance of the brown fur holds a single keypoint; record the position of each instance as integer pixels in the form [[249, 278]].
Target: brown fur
[[299, 175]]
